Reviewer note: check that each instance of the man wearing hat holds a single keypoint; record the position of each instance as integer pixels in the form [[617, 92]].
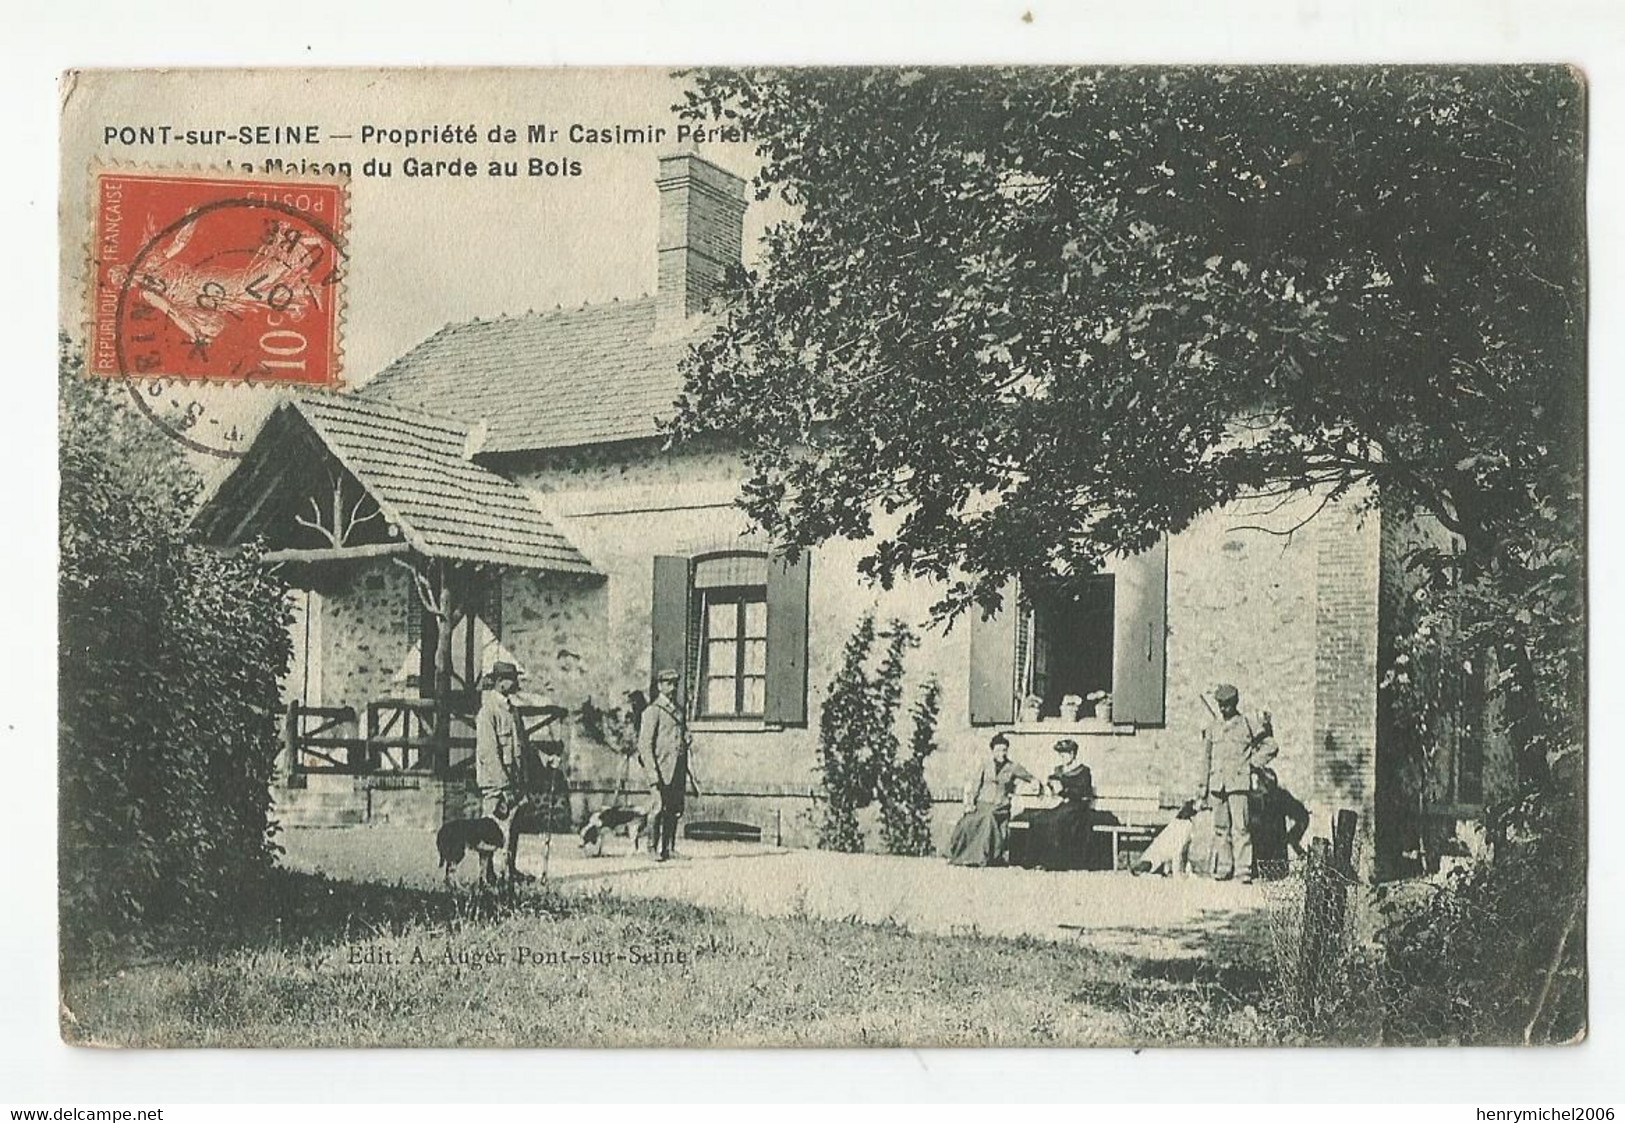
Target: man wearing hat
[[1233, 748], [499, 738], [663, 749]]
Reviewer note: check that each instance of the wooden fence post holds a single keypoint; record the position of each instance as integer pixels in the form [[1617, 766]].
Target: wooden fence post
[[1327, 878], [290, 741], [1342, 871], [371, 750], [1312, 936]]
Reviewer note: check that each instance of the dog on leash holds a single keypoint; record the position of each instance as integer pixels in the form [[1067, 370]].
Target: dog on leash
[[459, 836], [1170, 852], [631, 821]]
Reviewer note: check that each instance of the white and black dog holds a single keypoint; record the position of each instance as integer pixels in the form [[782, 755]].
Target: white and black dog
[[1170, 852], [632, 821]]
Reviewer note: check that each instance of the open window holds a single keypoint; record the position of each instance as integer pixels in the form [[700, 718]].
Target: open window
[[734, 627], [1069, 643], [1109, 634]]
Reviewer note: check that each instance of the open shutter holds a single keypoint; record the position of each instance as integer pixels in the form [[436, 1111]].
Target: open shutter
[[668, 622], [787, 639], [993, 662], [1140, 637]]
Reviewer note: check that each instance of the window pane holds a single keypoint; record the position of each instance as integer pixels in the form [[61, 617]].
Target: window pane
[[755, 695], [722, 619], [719, 696], [756, 618], [756, 657], [721, 656]]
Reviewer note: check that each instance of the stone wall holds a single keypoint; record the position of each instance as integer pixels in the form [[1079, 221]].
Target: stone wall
[[1244, 607], [363, 633], [1290, 618]]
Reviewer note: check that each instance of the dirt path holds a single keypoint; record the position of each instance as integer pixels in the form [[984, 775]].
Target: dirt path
[[1162, 918]]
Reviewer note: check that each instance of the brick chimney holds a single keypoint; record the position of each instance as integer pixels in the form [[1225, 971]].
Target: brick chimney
[[702, 232]]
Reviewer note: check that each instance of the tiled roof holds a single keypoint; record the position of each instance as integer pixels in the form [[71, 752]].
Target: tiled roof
[[446, 506], [547, 380]]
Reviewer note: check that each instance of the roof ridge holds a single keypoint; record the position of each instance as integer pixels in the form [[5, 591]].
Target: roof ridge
[[382, 406], [555, 378], [454, 327]]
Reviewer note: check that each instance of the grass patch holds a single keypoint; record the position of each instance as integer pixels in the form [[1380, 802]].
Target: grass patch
[[342, 964]]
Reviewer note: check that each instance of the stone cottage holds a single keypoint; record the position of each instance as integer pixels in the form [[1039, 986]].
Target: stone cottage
[[500, 492]]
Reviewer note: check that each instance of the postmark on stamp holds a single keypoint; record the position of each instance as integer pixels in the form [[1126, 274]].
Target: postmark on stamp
[[202, 277]]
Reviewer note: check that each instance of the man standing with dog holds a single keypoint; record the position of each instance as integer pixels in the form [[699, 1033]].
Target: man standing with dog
[[499, 740], [663, 748], [1234, 748]]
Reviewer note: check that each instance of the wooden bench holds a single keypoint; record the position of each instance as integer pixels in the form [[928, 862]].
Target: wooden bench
[[1125, 815], [1130, 814]]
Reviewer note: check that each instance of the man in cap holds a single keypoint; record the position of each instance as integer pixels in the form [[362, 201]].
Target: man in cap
[[1233, 749], [499, 738], [663, 749]]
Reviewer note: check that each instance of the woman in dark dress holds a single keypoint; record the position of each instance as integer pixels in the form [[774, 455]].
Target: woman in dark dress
[[1058, 837], [980, 837]]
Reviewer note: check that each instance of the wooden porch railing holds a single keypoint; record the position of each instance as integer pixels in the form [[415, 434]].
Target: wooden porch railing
[[399, 735]]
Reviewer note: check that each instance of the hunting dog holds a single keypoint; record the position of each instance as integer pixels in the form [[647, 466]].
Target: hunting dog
[[1170, 851], [632, 821], [459, 836]]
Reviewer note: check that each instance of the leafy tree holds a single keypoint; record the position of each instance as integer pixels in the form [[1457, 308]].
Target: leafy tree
[[169, 662], [1036, 316]]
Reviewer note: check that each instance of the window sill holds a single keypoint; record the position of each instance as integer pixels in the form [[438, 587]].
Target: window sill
[[733, 725], [1075, 728]]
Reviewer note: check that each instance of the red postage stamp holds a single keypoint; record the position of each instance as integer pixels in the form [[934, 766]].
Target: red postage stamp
[[217, 278]]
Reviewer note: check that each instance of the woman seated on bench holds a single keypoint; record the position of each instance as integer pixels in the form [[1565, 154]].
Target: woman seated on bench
[[1058, 837], [983, 833]]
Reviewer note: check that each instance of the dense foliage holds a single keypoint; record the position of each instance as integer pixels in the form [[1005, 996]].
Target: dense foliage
[[905, 797], [169, 664], [1494, 952], [1100, 302], [844, 726], [860, 757], [1024, 318], [1043, 315]]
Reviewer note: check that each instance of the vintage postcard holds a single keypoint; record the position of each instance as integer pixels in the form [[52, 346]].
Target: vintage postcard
[[840, 557]]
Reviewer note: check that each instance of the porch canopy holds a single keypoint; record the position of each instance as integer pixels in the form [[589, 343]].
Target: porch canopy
[[330, 482], [337, 478]]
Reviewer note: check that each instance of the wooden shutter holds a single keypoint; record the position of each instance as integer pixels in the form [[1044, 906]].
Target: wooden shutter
[[993, 662], [1140, 637], [668, 622], [787, 584]]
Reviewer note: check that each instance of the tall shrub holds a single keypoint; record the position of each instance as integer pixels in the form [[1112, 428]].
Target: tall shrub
[[905, 799], [170, 657], [844, 729]]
